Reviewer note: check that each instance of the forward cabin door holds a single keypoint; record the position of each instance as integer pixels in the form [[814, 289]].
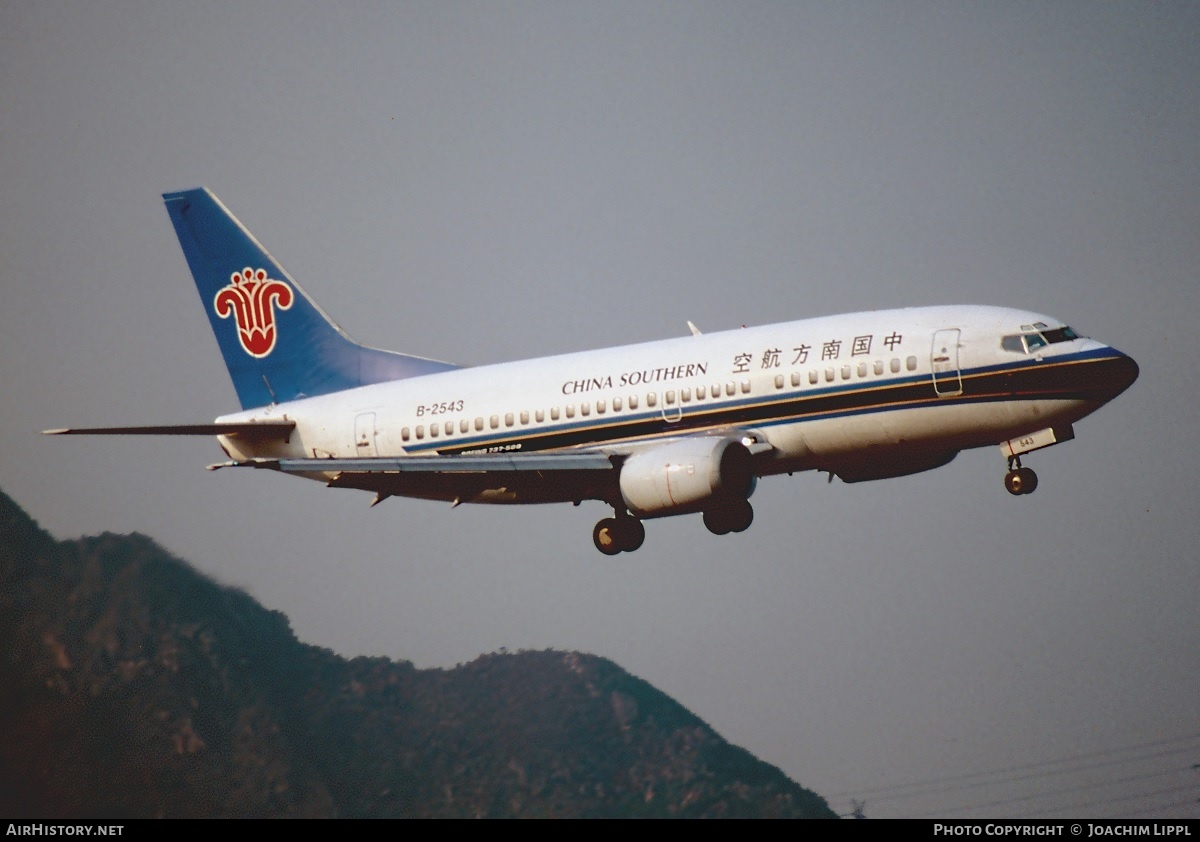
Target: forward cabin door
[[947, 379]]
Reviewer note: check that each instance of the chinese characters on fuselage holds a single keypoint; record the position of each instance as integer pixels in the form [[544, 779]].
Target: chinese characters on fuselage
[[831, 349]]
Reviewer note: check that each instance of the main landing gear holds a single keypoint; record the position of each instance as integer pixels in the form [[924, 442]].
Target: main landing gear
[[621, 534], [735, 516], [1019, 480], [625, 533]]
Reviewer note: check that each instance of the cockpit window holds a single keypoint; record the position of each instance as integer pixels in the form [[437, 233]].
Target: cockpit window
[[1061, 334], [1027, 343]]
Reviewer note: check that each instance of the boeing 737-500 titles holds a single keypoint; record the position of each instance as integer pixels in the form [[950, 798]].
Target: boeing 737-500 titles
[[678, 426]]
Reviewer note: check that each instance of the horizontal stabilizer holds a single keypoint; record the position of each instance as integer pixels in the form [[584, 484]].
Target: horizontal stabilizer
[[249, 430]]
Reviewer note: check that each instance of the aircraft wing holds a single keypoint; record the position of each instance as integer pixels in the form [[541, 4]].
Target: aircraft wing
[[483, 463], [490, 477]]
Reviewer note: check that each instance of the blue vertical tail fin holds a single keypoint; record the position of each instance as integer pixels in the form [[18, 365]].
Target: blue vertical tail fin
[[278, 345]]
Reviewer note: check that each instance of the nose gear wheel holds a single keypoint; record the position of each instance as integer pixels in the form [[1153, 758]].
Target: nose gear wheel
[[1019, 480]]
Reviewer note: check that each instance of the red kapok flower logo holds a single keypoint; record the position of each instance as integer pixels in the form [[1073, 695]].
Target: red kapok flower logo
[[251, 298]]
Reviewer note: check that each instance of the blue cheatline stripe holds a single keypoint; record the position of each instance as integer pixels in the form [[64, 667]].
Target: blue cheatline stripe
[[984, 384]]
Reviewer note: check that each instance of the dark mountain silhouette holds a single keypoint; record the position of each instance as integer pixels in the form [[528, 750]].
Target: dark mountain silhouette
[[131, 685]]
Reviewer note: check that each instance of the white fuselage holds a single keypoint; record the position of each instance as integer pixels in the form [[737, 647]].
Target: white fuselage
[[830, 393]]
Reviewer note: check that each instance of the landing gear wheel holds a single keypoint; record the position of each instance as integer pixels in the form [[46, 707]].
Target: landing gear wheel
[[1020, 481], [714, 522], [606, 536], [631, 532], [1014, 482], [732, 517], [618, 534], [742, 515], [1031, 480]]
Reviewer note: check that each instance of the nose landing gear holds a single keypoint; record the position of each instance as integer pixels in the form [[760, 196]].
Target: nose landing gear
[[1019, 480]]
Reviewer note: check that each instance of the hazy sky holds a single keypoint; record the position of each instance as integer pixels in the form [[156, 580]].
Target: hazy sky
[[479, 182]]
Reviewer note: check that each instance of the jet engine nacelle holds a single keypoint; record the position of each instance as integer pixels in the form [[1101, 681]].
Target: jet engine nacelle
[[687, 476]]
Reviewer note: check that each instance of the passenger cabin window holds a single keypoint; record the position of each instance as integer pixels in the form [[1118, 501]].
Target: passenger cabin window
[[685, 395], [539, 415], [669, 397], [508, 419], [420, 431], [862, 369], [599, 407], [879, 366], [911, 363], [895, 366], [479, 424], [433, 431], [464, 426], [651, 399], [616, 404], [795, 378], [778, 381], [570, 410], [633, 401], [494, 422], [449, 428], [845, 372], [524, 416], [745, 384], [554, 413], [813, 377], [404, 434], [585, 408], [700, 393], [730, 388], [829, 373]]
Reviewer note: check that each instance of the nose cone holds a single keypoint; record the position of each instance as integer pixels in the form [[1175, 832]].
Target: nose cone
[[1114, 374]]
